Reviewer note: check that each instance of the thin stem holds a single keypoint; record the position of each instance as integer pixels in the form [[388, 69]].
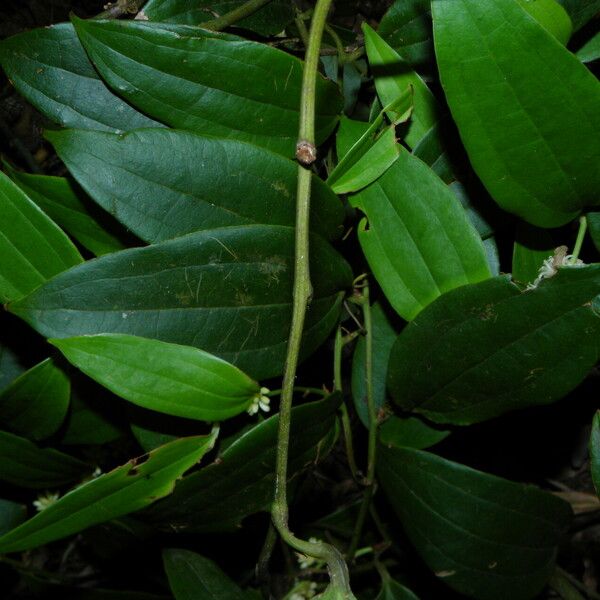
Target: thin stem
[[337, 41], [563, 587], [580, 236], [235, 15], [297, 388], [580, 586], [120, 8], [262, 566]]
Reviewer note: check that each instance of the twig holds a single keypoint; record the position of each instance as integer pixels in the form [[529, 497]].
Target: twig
[[235, 15], [120, 8], [580, 236]]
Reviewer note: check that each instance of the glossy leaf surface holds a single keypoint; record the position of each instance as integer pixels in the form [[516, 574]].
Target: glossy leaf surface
[[416, 236], [125, 489], [162, 183], [32, 247], [168, 378], [526, 108], [485, 349], [409, 432], [227, 291], [207, 82], [51, 69], [551, 16]]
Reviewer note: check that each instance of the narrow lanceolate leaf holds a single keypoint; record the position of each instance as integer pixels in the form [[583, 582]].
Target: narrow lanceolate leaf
[[268, 20], [36, 403], [32, 247], [595, 451], [51, 69], [162, 183], [241, 481], [526, 108], [484, 536], [168, 378], [22, 463], [416, 236], [227, 291], [124, 490], [70, 208], [207, 82], [532, 246], [482, 350], [392, 76], [192, 576]]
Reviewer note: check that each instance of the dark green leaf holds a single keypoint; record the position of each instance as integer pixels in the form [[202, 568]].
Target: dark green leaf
[[349, 132], [595, 451], [532, 246], [10, 365], [590, 51], [551, 16], [168, 378], [11, 515], [32, 247], [248, 91], [192, 576], [581, 11], [486, 537], [50, 68], [485, 349], [268, 20], [227, 291], [416, 236], [35, 404], [162, 183], [125, 489], [409, 432], [22, 463], [241, 481], [526, 108], [593, 219], [392, 590]]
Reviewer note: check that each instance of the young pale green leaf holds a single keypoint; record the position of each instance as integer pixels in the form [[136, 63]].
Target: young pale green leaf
[[392, 590], [531, 247], [267, 20], [11, 515], [162, 183], [551, 16], [70, 208], [581, 11], [241, 481], [22, 463], [32, 247], [595, 451], [124, 490], [409, 432], [227, 291], [167, 378], [590, 51], [416, 236], [35, 404], [484, 536], [392, 77], [512, 88], [192, 576], [50, 68], [207, 82], [485, 349]]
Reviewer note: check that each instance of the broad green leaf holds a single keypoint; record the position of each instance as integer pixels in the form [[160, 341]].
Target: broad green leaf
[[126, 489], [485, 349], [392, 590], [32, 247], [162, 183], [590, 51], [526, 108], [484, 536], [70, 208], [416, 236], [35, 404], [22, 463], [581, 11], [392, 77], [551, 16], [595, 451], [168, 378], [11, 515], [409, 432], [268, 20], [192, 576], [531, 247], [227, 291], [241, 480], [207, 82], [593, 219], [50, 68]]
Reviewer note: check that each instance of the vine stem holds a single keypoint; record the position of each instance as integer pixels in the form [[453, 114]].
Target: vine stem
[[306, 154], [580, 236], [235, 15]]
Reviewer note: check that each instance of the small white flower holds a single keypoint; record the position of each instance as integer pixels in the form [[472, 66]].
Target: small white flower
[[550, 266], [260, 402], [45, 500], [307, 561]]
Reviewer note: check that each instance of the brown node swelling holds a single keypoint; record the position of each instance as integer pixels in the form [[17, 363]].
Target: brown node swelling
[[306, 153]]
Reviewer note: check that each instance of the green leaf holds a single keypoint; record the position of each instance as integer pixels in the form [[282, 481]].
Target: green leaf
[[526, 108], [168, 378], [416, 236], [485, 349], [227, 291], [241, 481], [484, 536], [10, 363], [590, 51], [11, 515], [595, 451], [35, 404], [551, 16], [348, 134], [68, 206], [409, 432], [22, 463], [128, 488], [593, 219], [32, 247], [531, 248], [248, 91], [192, 576], [162, 183], [50, 68], [268, 20], [392, 77], [581, 11], [392, 590]]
